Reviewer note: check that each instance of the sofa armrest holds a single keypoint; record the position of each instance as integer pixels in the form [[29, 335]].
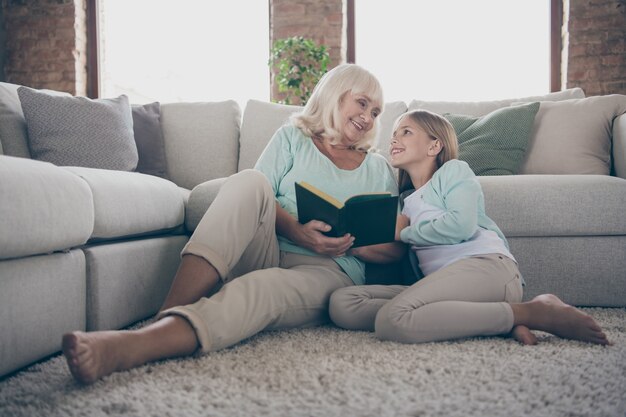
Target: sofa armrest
[[43, 208], [200, 199], [619, 146]]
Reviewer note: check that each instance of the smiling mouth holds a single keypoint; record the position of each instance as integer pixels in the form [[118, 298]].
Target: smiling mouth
[[357, 125], [396, 151]]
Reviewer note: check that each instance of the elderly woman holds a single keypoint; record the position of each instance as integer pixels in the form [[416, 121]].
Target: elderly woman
[[272, 272]]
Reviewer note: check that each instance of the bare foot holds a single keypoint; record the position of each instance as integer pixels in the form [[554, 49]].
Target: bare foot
[[549, 314], [523, 335], [91, 356]]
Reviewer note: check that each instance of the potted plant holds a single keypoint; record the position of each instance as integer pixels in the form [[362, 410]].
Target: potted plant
[[298, 64]]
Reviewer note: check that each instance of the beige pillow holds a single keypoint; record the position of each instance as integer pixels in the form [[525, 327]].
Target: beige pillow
[[573, 136]]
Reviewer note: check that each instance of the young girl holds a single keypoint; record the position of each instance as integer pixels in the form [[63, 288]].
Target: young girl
[[472, 285]]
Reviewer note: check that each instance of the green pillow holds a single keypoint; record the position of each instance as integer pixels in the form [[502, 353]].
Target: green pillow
[[495, 144]]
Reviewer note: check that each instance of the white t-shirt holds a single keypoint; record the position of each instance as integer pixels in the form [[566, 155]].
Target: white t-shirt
[[433, 258]]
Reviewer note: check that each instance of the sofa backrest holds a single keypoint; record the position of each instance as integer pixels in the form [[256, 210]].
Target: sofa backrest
[[201, 140], [481, 108], [13, 134]]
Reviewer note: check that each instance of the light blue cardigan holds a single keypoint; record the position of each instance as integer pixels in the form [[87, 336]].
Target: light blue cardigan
[[454, 189]]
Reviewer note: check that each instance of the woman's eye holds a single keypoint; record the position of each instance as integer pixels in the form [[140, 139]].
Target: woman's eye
[[375, 114]]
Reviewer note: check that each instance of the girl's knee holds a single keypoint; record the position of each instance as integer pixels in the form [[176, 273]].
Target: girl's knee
[[385, 327], [342, 307], [393, 323]]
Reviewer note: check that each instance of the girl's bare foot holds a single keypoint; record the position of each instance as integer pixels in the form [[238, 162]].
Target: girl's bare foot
[[91, 356], [523, 335], [548, 313]]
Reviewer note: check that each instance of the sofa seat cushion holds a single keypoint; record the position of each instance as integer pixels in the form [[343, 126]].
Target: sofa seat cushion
[[556, 205], [43, 208], [131, 203]]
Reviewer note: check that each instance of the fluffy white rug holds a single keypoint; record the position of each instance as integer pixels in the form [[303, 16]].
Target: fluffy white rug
[[329, 372]]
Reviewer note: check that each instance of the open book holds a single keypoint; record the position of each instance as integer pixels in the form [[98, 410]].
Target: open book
[[370, 217]]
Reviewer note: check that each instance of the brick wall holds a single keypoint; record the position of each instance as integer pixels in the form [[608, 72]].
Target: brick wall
[[596, 32], [320, 20], [46, 44], [45, 40]]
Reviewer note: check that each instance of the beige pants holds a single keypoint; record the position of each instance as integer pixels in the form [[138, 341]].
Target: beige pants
[[467, 298], [264, 288]]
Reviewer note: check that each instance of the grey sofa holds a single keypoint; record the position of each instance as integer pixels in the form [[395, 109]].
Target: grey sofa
[[94, 249]]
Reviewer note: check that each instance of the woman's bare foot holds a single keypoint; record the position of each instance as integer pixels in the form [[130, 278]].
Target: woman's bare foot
[[548, 313], [91, 356], [523, 335]]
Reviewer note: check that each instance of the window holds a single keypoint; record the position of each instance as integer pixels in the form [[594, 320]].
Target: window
[[188, 50], [454, 49]]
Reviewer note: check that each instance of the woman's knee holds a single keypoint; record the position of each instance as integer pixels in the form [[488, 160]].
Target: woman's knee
[[248, 180]]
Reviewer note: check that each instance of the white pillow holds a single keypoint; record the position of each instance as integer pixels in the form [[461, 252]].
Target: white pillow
[[573, 136], [481, 108]]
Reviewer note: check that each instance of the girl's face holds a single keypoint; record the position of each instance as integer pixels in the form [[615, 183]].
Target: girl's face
[[358, 113], [410, 144]]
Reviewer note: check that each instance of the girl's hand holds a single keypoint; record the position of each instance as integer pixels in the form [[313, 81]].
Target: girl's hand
[[311, 237], [401, 222]]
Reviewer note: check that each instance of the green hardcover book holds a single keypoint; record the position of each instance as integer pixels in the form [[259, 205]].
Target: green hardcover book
[[370, 218]]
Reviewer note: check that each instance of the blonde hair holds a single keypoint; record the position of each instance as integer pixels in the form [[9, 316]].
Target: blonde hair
[[437, 127], [321, 114]]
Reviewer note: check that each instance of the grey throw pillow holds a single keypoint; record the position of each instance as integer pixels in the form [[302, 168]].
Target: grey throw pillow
[[495, 144], [149, 139], [78, 131]]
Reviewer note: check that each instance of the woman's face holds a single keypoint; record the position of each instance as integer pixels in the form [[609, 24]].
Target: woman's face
[[410, 144], [358, 113]]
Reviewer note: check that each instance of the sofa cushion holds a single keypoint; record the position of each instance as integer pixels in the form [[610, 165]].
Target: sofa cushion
[[495, 144], [260, 121], [78, 131], [149, 139], [41, 297], [480, 108], [556, 205], [573, 136], [43, 208], [13, 136], [131, 203], [201, 140]]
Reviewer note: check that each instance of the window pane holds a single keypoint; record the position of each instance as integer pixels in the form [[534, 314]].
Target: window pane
[[188, 50], [455, 49]]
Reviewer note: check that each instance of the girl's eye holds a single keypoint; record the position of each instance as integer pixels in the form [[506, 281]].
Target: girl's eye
[[362, 103], [406, 131], [375, 114]]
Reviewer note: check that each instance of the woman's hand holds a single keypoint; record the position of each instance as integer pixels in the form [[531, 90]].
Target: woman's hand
[[311, 237], [401, 222]]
